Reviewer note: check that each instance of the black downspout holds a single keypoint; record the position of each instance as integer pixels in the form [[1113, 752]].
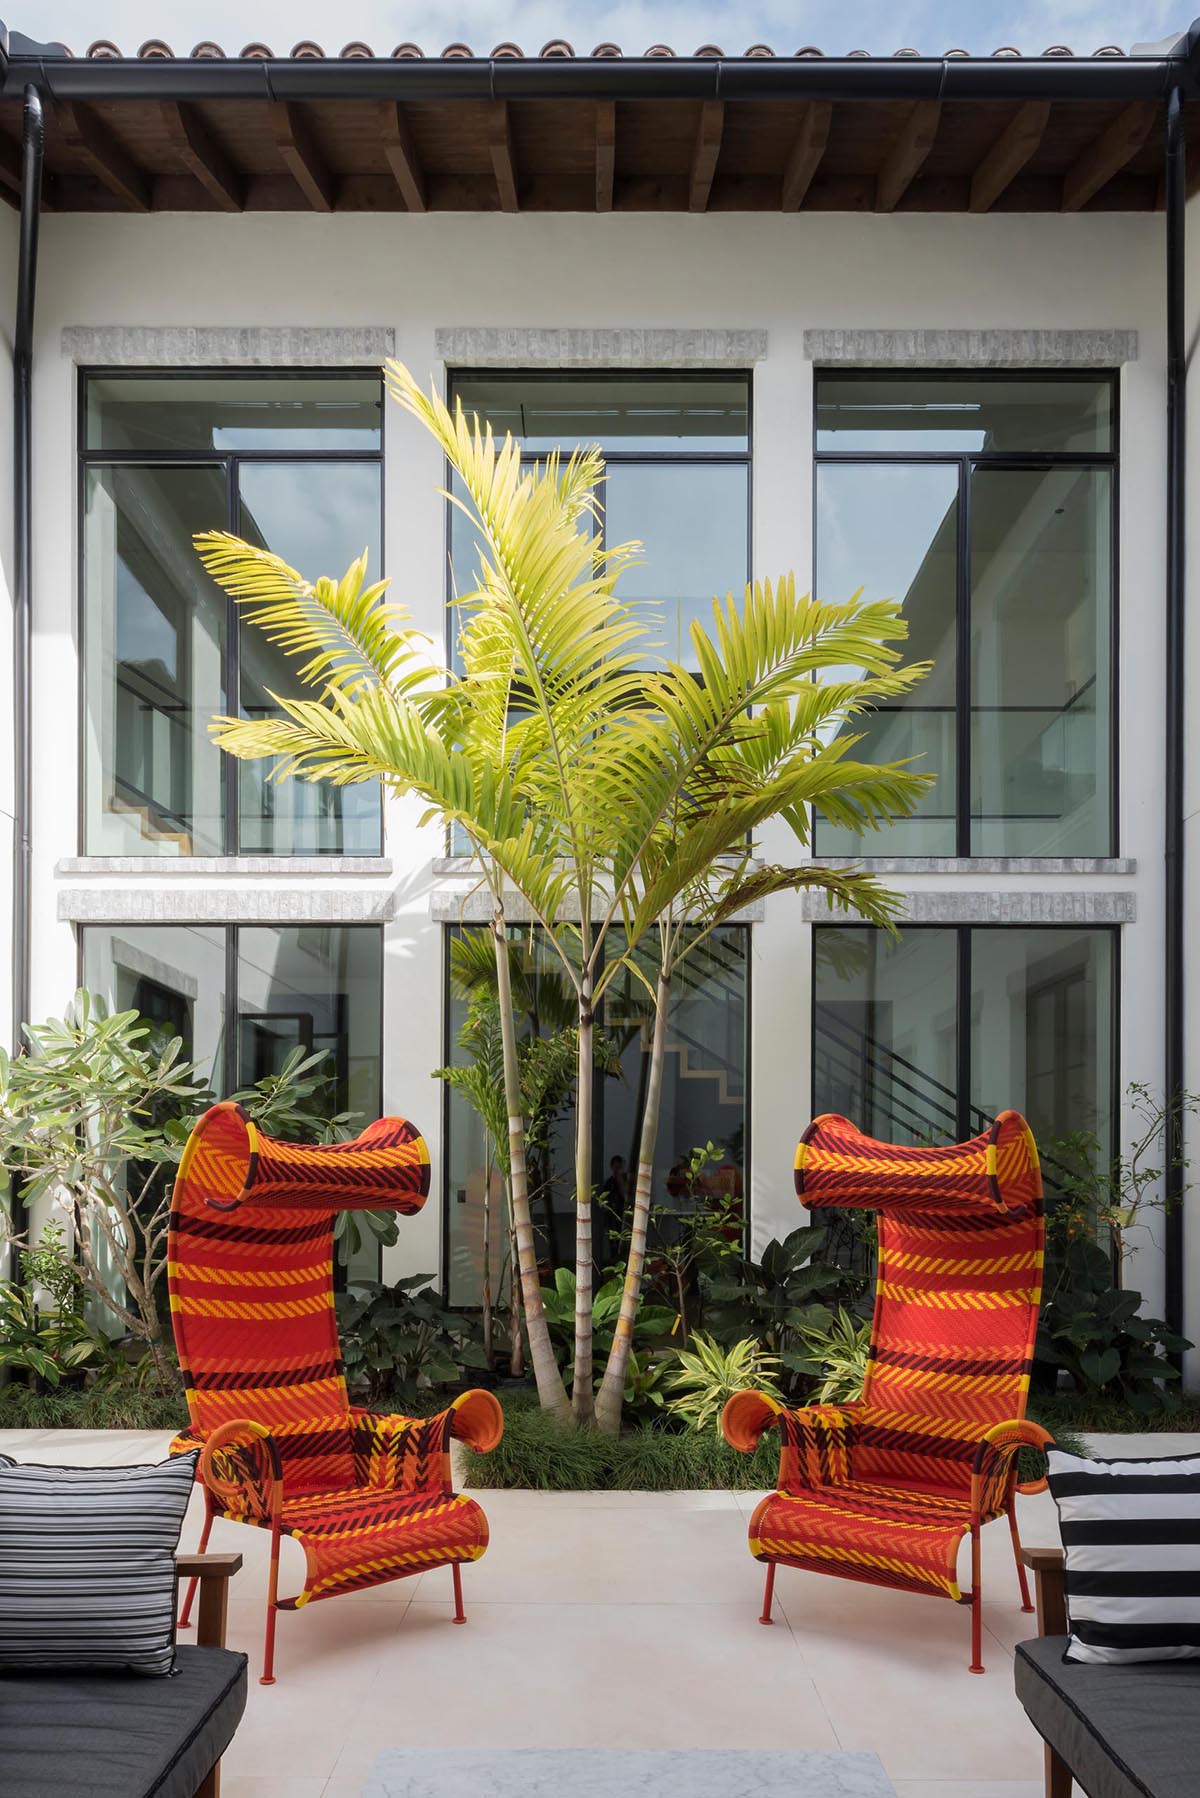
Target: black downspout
[[31, 202], [1173, 1056]]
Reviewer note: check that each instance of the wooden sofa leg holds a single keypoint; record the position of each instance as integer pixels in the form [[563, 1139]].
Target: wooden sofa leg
[[211, 1788], [1058, 1775]]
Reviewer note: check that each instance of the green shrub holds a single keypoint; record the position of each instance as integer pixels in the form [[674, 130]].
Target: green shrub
[[709, 1375], [100, 1407]]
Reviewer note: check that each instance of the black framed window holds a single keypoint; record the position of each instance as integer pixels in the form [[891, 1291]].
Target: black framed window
[[986, 503], [924, 1037], [243, 996], [291, 460], [704, 1099]]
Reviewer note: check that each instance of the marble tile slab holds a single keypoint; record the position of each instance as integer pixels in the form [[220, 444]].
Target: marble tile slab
[[625, 1773]]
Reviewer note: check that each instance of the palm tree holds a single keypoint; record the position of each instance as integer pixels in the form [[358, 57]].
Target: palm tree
[[619, 803]]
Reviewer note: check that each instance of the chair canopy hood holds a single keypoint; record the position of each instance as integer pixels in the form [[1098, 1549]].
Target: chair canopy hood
[[996, 1173], [229, 1164]]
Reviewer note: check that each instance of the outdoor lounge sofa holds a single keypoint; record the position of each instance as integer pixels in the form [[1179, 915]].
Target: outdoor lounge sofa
[[123, 1735], [1119, 1732]]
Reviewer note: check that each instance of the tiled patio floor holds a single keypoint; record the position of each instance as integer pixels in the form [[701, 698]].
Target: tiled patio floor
[[618, 1619]]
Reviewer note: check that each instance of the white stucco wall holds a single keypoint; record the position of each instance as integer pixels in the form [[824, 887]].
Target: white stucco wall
[[779, 274], [8, 293]]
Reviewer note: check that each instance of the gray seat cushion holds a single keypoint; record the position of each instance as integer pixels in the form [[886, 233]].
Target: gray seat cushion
[[1125, 1732], [119, 1735]]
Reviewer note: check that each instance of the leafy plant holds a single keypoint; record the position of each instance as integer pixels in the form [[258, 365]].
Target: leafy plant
[[709, 1374], [45, 1344], [400, 1342], [1110, 1197], [837, 1357], [558, 1303], [788, 1290], [1094, 1330], [620, 804]]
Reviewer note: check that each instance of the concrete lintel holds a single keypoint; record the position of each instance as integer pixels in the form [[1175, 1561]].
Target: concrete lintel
[[961, 907], [566, 346], [273, 904], [983, 864], [207, 867], [1029, 347], [228, 346]]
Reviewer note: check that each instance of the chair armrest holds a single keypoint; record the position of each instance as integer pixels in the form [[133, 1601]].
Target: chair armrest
[[1048, 1566], [214, 1573], [994, 1467], [814, 1441], [412, 1454], [241, 1466]]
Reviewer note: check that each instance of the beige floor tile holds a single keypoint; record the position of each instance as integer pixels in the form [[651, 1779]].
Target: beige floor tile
[[966, 1788], [236, 1785], [344, 1786]]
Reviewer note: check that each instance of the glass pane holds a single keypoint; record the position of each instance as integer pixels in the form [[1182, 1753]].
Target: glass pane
[[1042, 1031], [1041, 597], [631, 413], [963, 413], [173, 974], [232, 412], [318, 516], [892, 529], [703, 1100], [316, 987], [154, 653], [885, 1031], [693, 522]]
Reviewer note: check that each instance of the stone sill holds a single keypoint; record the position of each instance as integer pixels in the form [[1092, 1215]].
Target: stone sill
[[208, 867], [983, 864]]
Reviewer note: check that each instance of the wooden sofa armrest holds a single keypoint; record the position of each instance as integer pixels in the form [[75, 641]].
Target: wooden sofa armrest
[[1047, 1567], [214, 1573]]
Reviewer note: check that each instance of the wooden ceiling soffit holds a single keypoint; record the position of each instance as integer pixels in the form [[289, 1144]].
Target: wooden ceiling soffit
[[606, 153], [402, 157], [500, 148], [1108, 155], [705, 152], [804, 159], [909, 151], [301, 157], [111, 164], [1009, 154], [202, 156]]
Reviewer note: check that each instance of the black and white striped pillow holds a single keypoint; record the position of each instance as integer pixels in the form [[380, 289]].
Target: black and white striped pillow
[[87, 1565], [1131, 1535]]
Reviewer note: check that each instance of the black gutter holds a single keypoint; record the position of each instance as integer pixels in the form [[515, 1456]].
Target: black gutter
[[31, 200], [1174, 1066], [1114, 78]]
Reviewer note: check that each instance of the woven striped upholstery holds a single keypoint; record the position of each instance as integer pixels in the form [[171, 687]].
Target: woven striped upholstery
[[250, 1271], [882, 1490]]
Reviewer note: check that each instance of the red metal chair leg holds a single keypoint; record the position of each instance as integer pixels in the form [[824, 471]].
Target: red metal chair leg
[[460, 1616], [185, 1616], [976, 1605], [268, 1672], [768, 1594], [1026, 1601]]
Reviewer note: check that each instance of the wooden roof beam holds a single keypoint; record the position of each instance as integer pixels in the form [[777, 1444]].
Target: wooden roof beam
[[705, 152], [1009, 154], [606, 153], [202, 156], [301, 157], [402, 157], [907, 154], [806, 153], [1108, 155], [504, 161], [92, 140]]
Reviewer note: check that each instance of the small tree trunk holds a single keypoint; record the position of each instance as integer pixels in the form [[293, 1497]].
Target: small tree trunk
[[486, 1294], [612, 1388], [583, 1401], [516, 1348], [552, 1394]]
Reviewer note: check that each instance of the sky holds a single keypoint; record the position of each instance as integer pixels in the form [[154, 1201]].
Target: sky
[[835, 26]]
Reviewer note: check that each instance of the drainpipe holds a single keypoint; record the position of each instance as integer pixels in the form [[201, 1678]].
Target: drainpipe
[[31, 200], [1173, 783]]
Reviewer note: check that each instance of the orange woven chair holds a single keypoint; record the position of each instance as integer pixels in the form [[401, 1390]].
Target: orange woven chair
[[250, 1270], [885, 1489]]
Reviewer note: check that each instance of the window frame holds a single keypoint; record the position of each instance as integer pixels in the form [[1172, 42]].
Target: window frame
[[970, 1119], [966, 461], [229, 462]]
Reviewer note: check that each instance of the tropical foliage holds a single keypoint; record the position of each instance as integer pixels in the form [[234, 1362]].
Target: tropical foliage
[[616, 792], [710, 1374]]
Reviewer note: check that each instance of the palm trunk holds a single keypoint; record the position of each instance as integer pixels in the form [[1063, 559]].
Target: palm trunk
[[516, 1353], [583, 1401], [612, 1388], [552, 1394], [486, 1294]]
